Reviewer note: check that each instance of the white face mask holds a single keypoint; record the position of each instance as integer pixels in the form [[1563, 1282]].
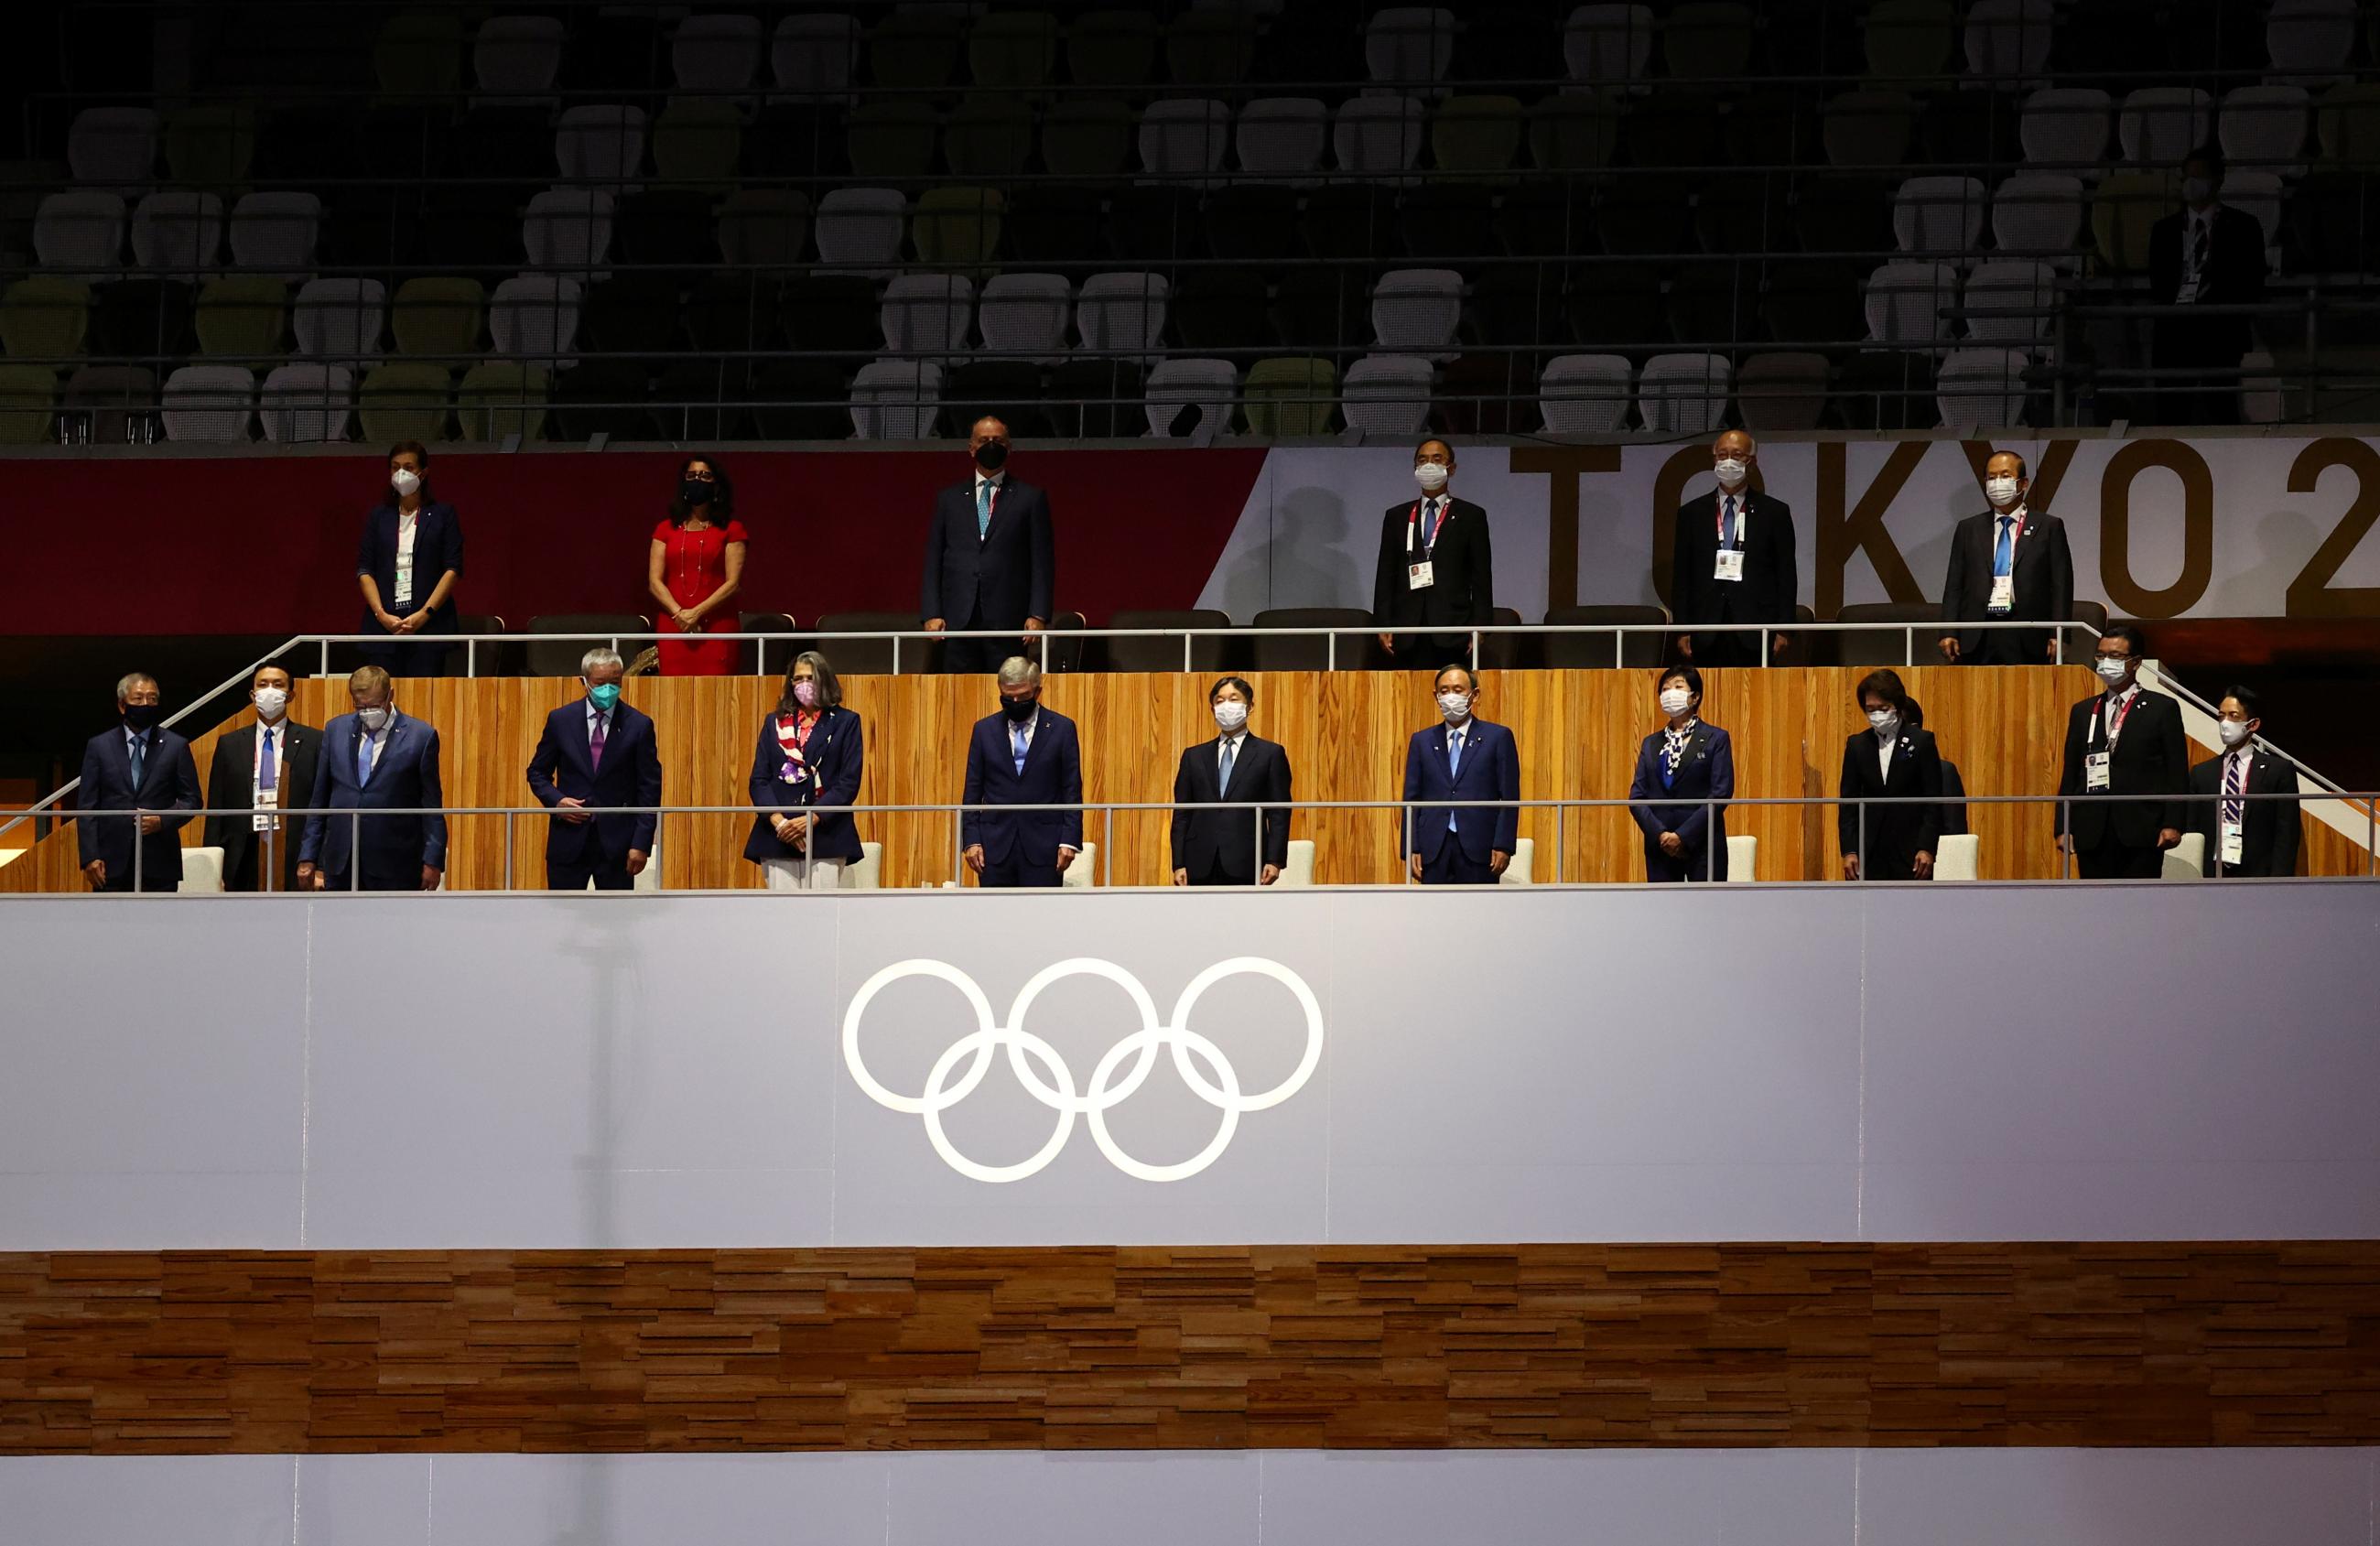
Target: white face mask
[[1430, 476], [269, 701], [2233, 731], [372, 719], [1730, 471], [1230, 717], [2000, 490], [2114, 670], [404, 481], [1674, 700], [1455, 705], [1883, 720]]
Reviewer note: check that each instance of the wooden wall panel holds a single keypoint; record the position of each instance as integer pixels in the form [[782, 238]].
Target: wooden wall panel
[[1354, 1346], [1345, 733]]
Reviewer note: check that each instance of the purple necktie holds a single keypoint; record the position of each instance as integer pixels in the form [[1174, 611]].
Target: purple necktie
[[595, 744]]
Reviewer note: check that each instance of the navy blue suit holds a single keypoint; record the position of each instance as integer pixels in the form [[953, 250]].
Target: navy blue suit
[[437, 547], [630, 774], [1707, 772], [837, 756], [1021, 848], [395, 848], [996, 579], [1490, 771], [169, 781]]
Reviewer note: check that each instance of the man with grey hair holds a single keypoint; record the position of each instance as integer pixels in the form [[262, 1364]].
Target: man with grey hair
[[1731, 560], [137, 766], [383, 764], [1024, 755], [597, 753]]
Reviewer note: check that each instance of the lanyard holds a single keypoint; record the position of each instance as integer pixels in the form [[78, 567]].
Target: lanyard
[[2122, 714], [1413, 519], [1718, 518]]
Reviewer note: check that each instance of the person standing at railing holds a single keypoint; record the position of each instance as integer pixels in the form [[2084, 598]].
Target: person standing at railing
[[1895, 758], [594, 753], [261, 767], [1437, 568], [407, 565], [2206, 253], [1462, 758], [2010, 564], [375, 759], [694, 568], [2122, 741], [1731, 560], [2244, 836], [1685, 760], [811, 752], [1219, 847], [991, 558], [1024, 755], [138, 765]]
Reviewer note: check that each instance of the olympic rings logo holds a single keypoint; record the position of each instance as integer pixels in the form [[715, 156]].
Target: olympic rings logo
[[1219, 1084]]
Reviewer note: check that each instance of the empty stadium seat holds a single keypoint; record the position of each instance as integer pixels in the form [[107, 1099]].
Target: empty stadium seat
[[114, 147], [568, 228], [1387, 395], [814, 55], [2009, 286], [275, 233], [1013, 51], [1981, 388], [2159, 124], [209, 403], [1416, 308], [889, 138], [1609, 648], [2309, 40], [2065, 126], [2008, 42], [1209, 385], [986, 136], [1184, 136], [1026, 313], [1086, 138], [109, 405], [926, 313], [2263, 127], [1784, 390], [1378, 135], [1206, 652], [601, 144], [2039, 214], [2260, 194], [896, 399], [28, 399], [1353, 647], [2125, 211], [177, 233], [405, 400], [1122, 311], [45, 316], [1409, 45], [242, 316], [1905, 300], [1905, 38], [211, 145], [79, 231], [1208, 48], [499, 399], [515, 59], [765, 226], [340, 318], [1281, 136], [2347, 124], [716, 52], [1113, 48], [1287, 394], [1585, 393], [1608, 43], [1888, 641], [434, 315], [957, 225], [1939, 215], [304, 402], [1683, 393], [535, 316], [1866, 127]]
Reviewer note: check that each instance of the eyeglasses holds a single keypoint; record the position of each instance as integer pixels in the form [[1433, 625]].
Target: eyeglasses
[[2111, 655]]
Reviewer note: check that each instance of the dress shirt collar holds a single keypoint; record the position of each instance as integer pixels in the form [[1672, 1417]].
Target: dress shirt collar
[[997, 479]]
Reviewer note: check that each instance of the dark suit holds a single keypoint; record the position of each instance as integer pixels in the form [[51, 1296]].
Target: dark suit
[[996, 579], [1895, 834], [392, 848], [837, 758], [231, 783], [1021, 848], [1765, 592], [1707, 772], [1457, 853], [2269, 829], [1219, 847], [1460, 594], [169, 782], [630, 774], [1954, 801], [2041, 570], [437, 547], [2118, 839], [2233, 275]]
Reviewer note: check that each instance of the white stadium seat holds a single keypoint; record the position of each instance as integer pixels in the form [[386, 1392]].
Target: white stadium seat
[[2065, 126], [859, 229], [600, 144], [568, 228], [2263, 127], [178, 234], [1184, 135], [815, 55], [1121, 311], [1387, 395], [1417, 308], [1683, 393], [896, 399], [535, 316], [340, 318], [1981, 389], [1608, 42], [2038, 212], [2008, 40], [926, 313], [2159, 124], [114, 147], [209, 403], [79, 231], [1939, 215], [1210, 383], [1026, 313], [1585, 393], [305, 402], [1904, 302], [1743, 859], [1378, 134], [1409, 45], [2018, 285]]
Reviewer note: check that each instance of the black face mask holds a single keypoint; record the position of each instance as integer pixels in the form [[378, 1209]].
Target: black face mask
[[991, 454], [1020, 708], [142, 716], [696, 493]]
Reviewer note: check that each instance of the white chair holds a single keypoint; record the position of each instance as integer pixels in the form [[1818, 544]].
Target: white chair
[[2263, 127], [515, 60], [1409, 45], [1938, 216], [1026, 313], [1184, 135], [1299, 870], [2039, 212], [1522, 871], [535, 316], [866, 872], [114, 147], [926, 313], [1904, 302], [2309, 40], [859, 229], [2017, 286], [2065, 126], [600, 144], [896, 399], [1082, 869], [275, 233], [716, 52], [1608, 43], [1281, 136], [1981, 389], [202, 871], [2186, 861], [1955, 856], [303, 403], [568, 228], [1378, 135], [1210, 383], [2260, 194], [80, 231], [1743, 859], [1585, 393], [2009, 39], [1123, 311], [1417, 308], [1683, 393], [177, 233], [2159, 124], [815, 55], [341, 317], [1387, 395], [209, 404]]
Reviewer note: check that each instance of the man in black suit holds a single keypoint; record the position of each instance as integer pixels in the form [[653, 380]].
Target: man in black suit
[[2244, 836], [1024, 755], [261, 767], [1732, 561], [990, 559], [2122, 741], [2205, 253], [2010, 564], [1437, 568], [1219, 847], [594, 753], [135, 766]]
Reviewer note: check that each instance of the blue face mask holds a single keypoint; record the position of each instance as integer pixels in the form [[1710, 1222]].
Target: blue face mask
[[604, 696]]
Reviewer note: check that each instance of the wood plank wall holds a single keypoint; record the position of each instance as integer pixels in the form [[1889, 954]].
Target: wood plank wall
[[1345, 733], [1354, 1347]]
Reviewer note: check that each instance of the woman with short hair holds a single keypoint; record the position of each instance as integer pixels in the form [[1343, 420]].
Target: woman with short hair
[[1894, 756], [1689, 760]]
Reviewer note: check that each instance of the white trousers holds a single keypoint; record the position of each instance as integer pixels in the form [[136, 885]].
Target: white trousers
[[786, 874]]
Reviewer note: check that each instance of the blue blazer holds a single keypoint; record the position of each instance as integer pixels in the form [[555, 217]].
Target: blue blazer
[[631, 774], [1491, 770], [169, 781], [437, 547], [1007, 574], [838, 757], [1707, 772], [395, 847], [1052, 775]]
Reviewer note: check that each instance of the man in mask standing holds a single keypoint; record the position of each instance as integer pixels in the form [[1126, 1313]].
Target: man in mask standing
[[135, 766], [594, 753], [2245, 836], [1732, 560], [261, 767], [2010, 564], [1462, 758], [1437, 568], [1024, 755], [991, 561], [2122, 741], [375, 759], [2205, 253]]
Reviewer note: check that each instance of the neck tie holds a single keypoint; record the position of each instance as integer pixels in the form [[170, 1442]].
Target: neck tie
[[2198, 249], [268, 774], [139, 759], [2004, 551], [1428, 522], [1017, 734], [2233, 806], [1453, 767], [595, 743], [1224, 779], [982, 508], [1727, 536], [364, 760]]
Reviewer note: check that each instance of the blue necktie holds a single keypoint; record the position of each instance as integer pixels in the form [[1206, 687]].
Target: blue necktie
[[1018, 735], [2004, 551], [982, 508], [1453, 766], [1727, 537], [140, 759], [268, 772], [1224, 779], [1428, 523], [364, 760]]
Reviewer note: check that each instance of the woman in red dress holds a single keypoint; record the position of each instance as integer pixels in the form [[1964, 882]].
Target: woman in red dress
[[696, 569]]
